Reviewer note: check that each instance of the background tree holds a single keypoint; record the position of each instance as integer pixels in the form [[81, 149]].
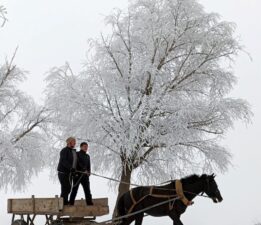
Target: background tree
[[22, 122], [153, 98]]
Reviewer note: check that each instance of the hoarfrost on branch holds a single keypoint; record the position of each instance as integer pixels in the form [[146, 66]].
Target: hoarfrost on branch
[[153, 97], [22, 128]]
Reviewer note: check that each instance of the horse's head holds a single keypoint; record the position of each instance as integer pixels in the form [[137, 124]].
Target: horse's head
[[211, 188]]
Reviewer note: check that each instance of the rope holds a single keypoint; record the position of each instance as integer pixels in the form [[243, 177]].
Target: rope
[[112, 179], [71, 181], [136, 185]]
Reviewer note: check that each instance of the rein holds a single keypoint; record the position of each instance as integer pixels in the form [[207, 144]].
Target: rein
[[136, 185], [71, 181]]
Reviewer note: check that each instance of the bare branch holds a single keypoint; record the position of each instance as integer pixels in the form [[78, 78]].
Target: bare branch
[[112, 56], [40, 118]]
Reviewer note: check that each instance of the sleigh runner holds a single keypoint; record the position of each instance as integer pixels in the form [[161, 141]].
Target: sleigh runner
[[25, 210]]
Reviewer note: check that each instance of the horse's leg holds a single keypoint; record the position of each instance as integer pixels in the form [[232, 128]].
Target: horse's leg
[[127, 221], [139, 219], [175, 218]]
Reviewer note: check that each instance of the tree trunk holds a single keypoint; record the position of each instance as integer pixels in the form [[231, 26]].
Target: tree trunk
[[124, 186]]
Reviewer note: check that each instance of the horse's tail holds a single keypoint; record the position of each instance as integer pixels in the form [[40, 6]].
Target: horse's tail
[[121, 206]]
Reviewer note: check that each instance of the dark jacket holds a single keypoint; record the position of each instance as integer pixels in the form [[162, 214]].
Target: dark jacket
[[66, 160], [84, 162]]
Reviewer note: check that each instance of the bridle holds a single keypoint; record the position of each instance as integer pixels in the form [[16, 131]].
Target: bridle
[[207, 189]]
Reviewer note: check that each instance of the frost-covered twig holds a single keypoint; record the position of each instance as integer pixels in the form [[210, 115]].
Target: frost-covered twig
[[2, 15]]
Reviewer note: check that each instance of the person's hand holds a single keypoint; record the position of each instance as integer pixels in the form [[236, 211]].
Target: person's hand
[[190, 203], [87, 172]]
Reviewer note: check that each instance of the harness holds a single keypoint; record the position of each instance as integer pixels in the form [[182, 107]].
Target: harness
[[179, 194]]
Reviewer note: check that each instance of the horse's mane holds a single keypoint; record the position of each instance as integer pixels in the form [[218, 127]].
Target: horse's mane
[[190, 179]]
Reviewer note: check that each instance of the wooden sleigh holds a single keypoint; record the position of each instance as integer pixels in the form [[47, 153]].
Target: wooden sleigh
[[55, 212]]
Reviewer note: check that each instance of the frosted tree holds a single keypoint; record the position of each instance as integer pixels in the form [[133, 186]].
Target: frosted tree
[[153, 98], [22, 131], [22, 126]]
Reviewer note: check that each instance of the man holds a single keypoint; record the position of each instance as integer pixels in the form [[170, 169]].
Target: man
[[67, 167], [84, 166]]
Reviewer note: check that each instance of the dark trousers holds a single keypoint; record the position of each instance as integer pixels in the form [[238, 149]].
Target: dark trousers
[[84, 181], [65, 187]]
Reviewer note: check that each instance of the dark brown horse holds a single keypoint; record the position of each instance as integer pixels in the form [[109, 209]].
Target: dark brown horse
[[144, 197]]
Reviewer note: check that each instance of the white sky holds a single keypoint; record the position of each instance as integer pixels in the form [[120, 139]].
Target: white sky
[[50, 32]]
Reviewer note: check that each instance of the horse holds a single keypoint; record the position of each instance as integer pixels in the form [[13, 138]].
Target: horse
[[142, 199]]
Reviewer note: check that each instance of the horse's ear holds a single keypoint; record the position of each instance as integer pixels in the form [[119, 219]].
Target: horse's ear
[[213, 175]]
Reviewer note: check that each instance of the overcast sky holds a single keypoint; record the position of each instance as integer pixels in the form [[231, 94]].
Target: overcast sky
[[51, 32]]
